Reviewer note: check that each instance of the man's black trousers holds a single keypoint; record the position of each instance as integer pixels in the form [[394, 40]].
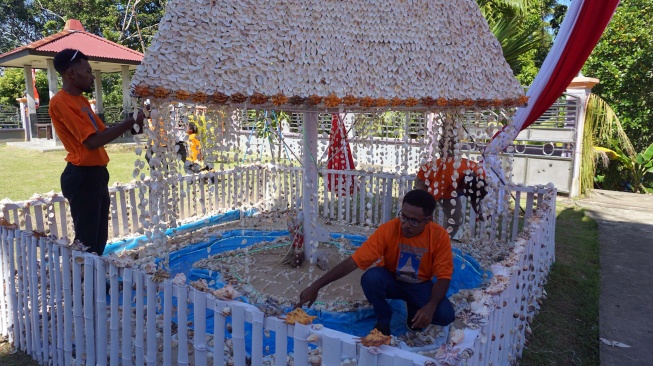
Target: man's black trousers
[[87, 191]]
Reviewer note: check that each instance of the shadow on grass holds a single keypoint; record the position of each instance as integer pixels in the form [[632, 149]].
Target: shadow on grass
[[566, 330], [16, 359]]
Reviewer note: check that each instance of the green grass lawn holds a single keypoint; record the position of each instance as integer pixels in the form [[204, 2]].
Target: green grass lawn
[[25, 172], [564, 333]]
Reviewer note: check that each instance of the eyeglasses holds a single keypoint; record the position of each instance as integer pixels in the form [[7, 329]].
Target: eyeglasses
[[412, 222], [74, 55]]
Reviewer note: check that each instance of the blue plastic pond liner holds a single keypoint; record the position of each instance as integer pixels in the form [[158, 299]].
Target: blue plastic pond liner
[[133, 243], [357, 323]]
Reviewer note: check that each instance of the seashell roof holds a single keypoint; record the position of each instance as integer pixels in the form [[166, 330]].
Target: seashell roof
[[402, 54]]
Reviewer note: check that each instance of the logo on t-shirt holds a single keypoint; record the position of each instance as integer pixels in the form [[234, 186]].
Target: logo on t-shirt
[[408, 264], [90, 116]]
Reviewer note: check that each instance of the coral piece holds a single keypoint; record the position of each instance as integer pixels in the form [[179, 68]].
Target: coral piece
[[468, 102], [226, 293], [161, 92], [375, 339], [396, 102], [160, 276], [448, 355], [258, 99], [366, 102], [219, 98], [238, 98], [200, 285], [199, 97], [279, 99], [299, 316], [411, 102], [296, 100], [350, 100], [428, 102], [142, 90], [381, 102], [182, 95], [332, 101], [313, 100]]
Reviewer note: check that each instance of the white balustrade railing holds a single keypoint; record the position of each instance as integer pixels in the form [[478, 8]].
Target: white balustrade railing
[[48, 311]]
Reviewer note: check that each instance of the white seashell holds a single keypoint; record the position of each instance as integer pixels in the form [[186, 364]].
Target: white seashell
[[226, 311]]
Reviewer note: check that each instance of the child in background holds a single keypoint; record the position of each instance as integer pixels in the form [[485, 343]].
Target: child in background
[[194, 150]]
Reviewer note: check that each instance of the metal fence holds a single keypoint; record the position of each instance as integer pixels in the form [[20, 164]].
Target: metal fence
[[10, 117]]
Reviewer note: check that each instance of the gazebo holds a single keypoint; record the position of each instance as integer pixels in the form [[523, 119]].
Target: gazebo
[[104, 56]]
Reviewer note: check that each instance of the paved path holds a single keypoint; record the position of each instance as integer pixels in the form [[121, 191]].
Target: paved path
[[625, 223]]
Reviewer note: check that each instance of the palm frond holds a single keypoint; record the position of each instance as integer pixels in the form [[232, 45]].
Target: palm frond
[[514, 41]]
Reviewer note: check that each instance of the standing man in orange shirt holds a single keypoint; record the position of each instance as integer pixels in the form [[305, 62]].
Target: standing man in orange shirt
[[410, 250], [85, 180]]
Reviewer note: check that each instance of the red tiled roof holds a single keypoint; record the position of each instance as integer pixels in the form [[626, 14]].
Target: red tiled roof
[[74, 36]]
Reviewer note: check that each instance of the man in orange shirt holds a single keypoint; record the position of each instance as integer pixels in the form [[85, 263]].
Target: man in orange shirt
[[411, 250], [85, 180]]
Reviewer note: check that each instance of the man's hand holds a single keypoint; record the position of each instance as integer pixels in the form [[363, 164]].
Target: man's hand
[[423, 316], [308, 295]]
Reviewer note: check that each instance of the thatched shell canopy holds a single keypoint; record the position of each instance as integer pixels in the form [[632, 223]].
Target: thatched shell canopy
[[403, 54]]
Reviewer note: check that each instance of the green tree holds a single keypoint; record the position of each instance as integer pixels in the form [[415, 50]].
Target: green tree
[[12, 86], [623, 61], [131, 23], [524, 28], [19, 23]]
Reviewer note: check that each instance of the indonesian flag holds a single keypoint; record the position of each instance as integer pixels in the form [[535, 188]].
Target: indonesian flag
[[339, 158]]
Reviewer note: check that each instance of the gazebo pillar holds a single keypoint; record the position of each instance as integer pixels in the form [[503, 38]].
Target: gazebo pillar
[[99, 102], [126, 97], [580, 87], [31, 103], [52, 89], [313, 231]]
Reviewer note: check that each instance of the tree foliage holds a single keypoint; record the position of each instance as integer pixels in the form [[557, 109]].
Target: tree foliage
[[623, 61], [12, 86]]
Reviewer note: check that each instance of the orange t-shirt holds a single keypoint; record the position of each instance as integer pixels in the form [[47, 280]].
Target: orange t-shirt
[[439, 177], [74, 121], [413, 260]]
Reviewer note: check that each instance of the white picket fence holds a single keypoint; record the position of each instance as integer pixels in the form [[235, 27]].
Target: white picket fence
[[54, 301]]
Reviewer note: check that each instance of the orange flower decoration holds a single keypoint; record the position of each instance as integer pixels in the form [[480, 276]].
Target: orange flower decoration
[[258, 98], [366, 102], [428, 101], [296, 100], [332, 101], [142, 90], [483, 103], [455, 102], [161, 92], [199, 97], [238, 98], [182, 95], [313, 100], [219, 98], [441, 102], [523, 100], [508, 102], [381, 102], [496, 102], [279, 99], [396, 102], [350, 100], [468, 102], [411, 102]]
